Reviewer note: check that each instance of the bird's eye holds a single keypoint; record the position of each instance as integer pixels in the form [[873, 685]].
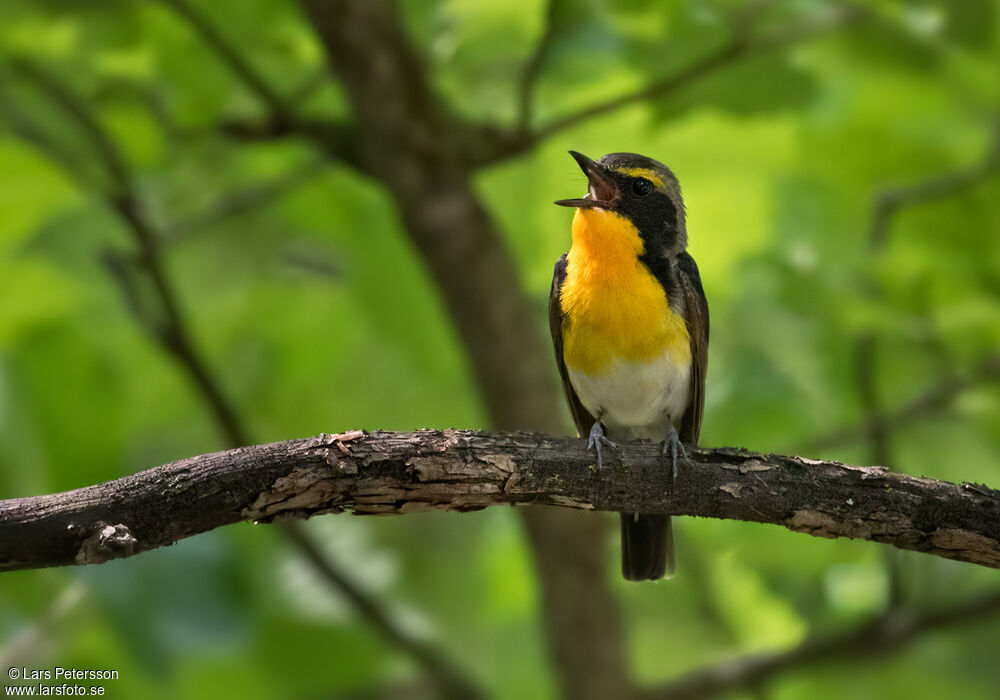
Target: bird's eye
[[642, 187]]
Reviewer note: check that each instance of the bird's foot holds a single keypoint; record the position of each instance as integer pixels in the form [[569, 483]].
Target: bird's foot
[[672, 447], [597, 441]]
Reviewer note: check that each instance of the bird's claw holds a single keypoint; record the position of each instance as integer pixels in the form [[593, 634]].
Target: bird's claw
[[596, 441], [673, 446]]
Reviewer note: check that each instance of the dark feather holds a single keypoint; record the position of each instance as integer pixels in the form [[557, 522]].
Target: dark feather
[[696, 317], [581, 417], [647, 547]]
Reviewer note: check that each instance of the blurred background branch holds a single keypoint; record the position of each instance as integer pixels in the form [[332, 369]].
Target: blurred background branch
[[931, 402], [742, 43], [233, 56], [877, 424], [871, 641], [243, 201], [891, 201], [533, 66], [166, 323]]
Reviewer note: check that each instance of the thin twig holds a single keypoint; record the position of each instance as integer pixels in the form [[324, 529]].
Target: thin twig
[[310, 263], [866, 383], [22, 648], [156, 104], [927, 403], [886, 634], [876, 424], [337, 140], [28, 130], [309, 86], [243, 201], [887, 206], [892, 200], [79, 113], [454, 683], [230, 55], [740, 45], [172, 331], [533, 66]]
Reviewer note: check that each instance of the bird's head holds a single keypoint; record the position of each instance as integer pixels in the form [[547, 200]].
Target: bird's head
[[640, 189]]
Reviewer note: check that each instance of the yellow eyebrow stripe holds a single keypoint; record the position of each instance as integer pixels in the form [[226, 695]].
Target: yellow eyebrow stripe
[[644, 172]]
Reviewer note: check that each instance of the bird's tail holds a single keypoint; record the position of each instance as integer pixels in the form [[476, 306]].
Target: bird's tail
[[647, 547]]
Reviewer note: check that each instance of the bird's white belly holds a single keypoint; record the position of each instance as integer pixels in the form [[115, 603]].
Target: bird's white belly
[[636, 400]]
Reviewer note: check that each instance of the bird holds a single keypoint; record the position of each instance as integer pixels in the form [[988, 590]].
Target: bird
[[629, 322]]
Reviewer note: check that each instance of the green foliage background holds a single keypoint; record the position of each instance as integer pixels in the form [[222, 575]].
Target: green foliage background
[[316, 315]]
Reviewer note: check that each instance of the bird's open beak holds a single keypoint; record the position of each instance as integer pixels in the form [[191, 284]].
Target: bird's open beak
[[601, 189]]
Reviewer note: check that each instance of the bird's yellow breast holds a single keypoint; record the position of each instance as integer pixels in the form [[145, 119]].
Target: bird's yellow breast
[[613, 306]]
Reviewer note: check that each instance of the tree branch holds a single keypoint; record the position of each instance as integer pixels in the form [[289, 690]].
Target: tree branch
[[243, 200], [336, 139], [24, 647], [533, 66], [931, 401], [27, 129], [172, 328], [383, 473], [889, 202], [449, 678], [886, 634], [80, 115], [741, 44], [230, 55]]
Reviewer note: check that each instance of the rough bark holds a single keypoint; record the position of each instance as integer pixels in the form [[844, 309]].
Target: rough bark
[[395, 473]]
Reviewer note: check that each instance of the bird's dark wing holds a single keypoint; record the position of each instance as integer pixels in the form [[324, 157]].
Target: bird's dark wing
[[696, 308], [584, 421]]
